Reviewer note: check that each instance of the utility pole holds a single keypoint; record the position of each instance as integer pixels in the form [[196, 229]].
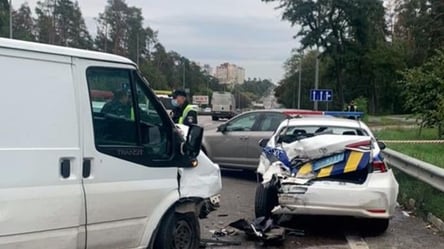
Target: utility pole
[[293, 105], [183, 74], [315, 107], [300, 80], [137, 49], [10, 19]]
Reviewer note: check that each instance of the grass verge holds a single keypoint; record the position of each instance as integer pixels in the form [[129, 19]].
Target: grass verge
[[431, 153], [428, 199]]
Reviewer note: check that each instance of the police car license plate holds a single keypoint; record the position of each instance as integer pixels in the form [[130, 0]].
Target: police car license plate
[[328, 161]]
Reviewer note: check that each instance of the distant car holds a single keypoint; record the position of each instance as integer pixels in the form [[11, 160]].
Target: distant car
[[234, 144], [326, 166]]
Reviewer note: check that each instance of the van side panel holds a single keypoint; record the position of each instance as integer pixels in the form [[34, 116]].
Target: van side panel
[[39, 130]]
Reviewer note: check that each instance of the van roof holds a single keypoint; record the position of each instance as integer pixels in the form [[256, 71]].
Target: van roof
[[59, 50]]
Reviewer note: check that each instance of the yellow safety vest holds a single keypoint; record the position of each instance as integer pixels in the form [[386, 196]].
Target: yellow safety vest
[[132, 117], [187, 109]]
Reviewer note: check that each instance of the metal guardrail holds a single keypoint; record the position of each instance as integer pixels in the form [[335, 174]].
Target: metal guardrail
[[413, 141], [426, 172]]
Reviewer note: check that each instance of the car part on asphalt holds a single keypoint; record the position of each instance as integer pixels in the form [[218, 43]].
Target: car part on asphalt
[[263, 228]]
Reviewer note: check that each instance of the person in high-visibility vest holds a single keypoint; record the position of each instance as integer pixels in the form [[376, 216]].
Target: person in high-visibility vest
[[184, 112]]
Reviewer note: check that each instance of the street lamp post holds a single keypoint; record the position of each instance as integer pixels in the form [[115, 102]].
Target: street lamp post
[[300, 79], [183, 73], [316, 78], [10, 19]]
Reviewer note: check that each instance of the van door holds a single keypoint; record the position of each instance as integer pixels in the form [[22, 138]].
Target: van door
[[129, 178], [41, 197]]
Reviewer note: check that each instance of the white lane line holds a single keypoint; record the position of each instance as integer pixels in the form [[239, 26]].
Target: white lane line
[[356, 242]]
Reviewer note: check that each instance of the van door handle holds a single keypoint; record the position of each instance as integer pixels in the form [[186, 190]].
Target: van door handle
[[65, 168], [86, 169]]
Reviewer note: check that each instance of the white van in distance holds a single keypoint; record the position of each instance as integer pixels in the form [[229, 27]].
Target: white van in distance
[[89, 158], [223, 105]]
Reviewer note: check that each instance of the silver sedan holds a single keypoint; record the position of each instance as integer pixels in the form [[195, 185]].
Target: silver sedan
[[235, 144]]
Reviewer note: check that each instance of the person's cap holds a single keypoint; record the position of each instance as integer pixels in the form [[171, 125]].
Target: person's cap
[[179, 92]]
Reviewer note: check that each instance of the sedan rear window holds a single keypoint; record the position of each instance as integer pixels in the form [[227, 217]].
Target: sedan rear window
[[293, 133]]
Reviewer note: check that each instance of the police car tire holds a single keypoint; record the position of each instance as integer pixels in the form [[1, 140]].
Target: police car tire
[[265, 200], [374, 227], [181, 228]]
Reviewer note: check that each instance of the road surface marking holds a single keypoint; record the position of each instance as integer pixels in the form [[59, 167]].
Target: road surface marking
[[356, 242]]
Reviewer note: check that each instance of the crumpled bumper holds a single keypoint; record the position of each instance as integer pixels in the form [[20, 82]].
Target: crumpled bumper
[[376, 198]]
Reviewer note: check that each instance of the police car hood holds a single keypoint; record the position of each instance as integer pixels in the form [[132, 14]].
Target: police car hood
[[203, 181]]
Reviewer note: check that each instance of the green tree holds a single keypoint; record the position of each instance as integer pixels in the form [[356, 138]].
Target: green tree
[[424, 91], [4, 18], [23, 24], [60, 22]]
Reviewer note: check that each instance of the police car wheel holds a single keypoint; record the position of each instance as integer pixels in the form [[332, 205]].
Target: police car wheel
[[265, 200], [178, 231]]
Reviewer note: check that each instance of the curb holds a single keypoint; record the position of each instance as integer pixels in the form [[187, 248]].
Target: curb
[[432, 219], [436, 222]]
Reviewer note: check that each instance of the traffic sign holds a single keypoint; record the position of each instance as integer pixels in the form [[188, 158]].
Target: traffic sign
[[321, 95]]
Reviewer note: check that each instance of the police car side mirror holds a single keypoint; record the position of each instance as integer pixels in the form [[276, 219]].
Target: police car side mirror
[[193, 143], [263, 142], [381, 145]]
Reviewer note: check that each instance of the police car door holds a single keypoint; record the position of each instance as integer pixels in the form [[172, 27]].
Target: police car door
[[126, 137]]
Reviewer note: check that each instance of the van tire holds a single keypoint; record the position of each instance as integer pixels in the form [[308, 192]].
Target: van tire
[[265, 200], [178, 231], [214, 118]]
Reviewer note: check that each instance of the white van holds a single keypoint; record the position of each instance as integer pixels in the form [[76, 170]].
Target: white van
[[81, 168], [223, 105]]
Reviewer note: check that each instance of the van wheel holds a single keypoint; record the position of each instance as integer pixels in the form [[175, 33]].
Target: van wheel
[[266, 199], [178, 231], [214, 118]]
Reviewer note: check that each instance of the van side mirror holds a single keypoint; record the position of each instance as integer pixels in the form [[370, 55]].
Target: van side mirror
[[191, 147], [222, 128], [263, 142], [381, 145]]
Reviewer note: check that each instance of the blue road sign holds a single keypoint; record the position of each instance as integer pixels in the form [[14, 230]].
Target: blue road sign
[[321, 95]]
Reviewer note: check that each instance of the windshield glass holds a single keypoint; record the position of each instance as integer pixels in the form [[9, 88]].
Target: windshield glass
[[293, 133]]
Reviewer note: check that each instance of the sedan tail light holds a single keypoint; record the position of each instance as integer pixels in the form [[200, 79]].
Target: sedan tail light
[[360, 145], [379, 166]]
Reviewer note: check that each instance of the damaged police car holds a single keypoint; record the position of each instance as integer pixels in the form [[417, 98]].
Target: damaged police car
[[326, 166]]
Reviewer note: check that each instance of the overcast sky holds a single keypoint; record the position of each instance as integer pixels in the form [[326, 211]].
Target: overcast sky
[[248, 33]]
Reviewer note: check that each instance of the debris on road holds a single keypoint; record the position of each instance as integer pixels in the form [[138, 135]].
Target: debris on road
[[262, 228], [406, 214]]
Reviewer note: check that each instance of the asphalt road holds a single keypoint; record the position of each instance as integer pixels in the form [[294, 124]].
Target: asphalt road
[[237, 201]]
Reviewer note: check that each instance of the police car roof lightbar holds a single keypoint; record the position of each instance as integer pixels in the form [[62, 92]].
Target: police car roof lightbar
[[343, 114]]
